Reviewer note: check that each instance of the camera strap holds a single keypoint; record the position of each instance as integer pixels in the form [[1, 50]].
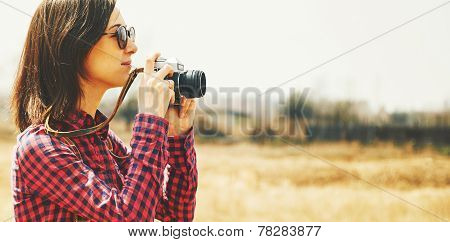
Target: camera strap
[[82, 132]]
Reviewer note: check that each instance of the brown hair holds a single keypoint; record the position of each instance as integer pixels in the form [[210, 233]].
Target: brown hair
[[60, 36]]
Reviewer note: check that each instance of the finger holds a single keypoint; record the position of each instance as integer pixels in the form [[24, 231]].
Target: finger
[[191, 108], [172, 96], [184, 105], [184, 111], [171, 87], [171, 84], [166, 70], [181, 110], [150, 63], [142, 80], [183, 100], [172, 99]]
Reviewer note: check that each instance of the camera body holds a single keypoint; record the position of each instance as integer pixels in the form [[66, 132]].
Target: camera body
[[172, 61], [188, 83]]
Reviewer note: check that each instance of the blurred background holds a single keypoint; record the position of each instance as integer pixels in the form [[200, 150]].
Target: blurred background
[[315, 110]]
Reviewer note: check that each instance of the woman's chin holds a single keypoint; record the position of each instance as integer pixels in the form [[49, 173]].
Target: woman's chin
[[127, 70], [122, 82], [124, 78], [118, 83], [119, 80]]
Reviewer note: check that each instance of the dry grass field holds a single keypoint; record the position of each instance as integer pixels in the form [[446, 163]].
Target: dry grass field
[[249, 182]]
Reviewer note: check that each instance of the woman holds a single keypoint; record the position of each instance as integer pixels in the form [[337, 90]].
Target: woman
[[74, 52]]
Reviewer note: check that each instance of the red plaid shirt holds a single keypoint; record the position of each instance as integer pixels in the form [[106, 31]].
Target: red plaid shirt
[[158, 179]]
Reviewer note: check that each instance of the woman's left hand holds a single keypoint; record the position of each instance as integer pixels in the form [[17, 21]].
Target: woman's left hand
[[181, 118]]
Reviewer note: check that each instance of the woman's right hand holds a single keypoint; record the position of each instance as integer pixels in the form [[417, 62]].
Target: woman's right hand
[[155, 93]]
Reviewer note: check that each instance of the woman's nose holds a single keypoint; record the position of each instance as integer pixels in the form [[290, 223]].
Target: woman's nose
[[131, 47]]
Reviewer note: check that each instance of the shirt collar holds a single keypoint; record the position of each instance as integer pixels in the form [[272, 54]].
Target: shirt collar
[[79, 119]]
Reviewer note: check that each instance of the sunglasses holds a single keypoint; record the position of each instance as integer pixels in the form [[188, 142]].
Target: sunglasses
[[122, 34]]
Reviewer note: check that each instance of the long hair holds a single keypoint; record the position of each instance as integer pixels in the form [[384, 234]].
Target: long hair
[[60, 36]]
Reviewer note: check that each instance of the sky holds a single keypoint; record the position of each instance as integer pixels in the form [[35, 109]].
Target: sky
[[261, 44]]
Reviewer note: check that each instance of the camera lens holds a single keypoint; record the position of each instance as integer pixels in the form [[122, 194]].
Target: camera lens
[[192, 84]]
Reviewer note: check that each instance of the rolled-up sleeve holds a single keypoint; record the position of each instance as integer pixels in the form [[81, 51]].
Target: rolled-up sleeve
[[179, 193]]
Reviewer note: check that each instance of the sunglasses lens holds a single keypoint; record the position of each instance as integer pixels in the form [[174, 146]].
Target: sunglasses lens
[[122, 37], [132, 34]]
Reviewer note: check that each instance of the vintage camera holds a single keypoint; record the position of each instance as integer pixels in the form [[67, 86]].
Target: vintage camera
[[189, 83]]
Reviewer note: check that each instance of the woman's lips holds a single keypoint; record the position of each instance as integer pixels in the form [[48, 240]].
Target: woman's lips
[[126, 63]]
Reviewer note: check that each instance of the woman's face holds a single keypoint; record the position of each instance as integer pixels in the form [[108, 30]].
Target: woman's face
[[105, 65]]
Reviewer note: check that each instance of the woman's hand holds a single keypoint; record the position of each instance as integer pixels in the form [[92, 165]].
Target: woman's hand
[[181, 118], [155, 93]]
